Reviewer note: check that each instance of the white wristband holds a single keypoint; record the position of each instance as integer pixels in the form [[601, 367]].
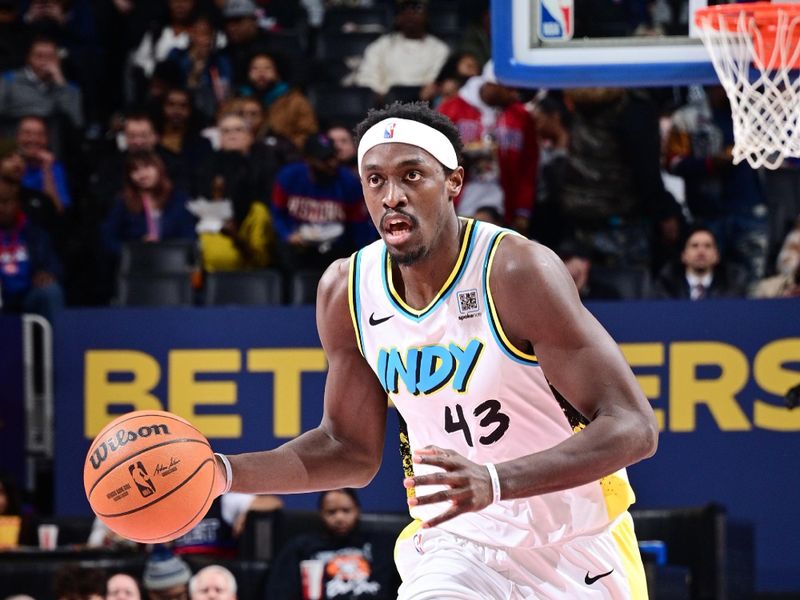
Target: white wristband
[[228, 472], [495, 482]]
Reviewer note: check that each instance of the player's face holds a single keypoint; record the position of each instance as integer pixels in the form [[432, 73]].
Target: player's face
[[339, 513], [409, 198]]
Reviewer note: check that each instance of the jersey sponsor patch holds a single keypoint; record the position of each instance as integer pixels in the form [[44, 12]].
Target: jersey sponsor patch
[[468, 305]]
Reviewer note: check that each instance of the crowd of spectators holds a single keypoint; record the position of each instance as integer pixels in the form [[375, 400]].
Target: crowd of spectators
[[207, 121]]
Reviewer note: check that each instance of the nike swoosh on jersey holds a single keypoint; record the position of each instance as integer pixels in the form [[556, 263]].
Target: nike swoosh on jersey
[[590, 580], [374, 321]]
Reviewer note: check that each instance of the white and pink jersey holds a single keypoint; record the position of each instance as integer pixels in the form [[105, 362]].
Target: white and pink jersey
[[458, 383]]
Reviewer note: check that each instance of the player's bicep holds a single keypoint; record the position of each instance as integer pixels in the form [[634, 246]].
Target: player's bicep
[[578, 356]]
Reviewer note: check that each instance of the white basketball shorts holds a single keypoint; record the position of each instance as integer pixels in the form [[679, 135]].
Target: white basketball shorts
[[436, 564]]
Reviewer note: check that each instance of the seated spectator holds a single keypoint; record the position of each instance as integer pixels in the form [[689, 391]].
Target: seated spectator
[[354, 567], [501, 148], [42, 171], [149, 208], [166, 576], [786, 283], [789, 255], [139, 134], [287, 111], [72, 25], [207, 72], [409, 56], [345, 145], [160, 39], [122, 586], [213, 582], [700, 274], [244, 36], [36, 204], [74, 582], [39, 88], [252, 111], [235, 233], [318, 209], [217, 534], [29, 266], [578, 261], [179, 132]]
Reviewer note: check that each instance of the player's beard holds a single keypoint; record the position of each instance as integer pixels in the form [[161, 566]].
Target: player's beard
[[409, 258]]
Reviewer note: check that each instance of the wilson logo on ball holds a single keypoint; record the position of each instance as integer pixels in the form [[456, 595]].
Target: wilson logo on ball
[[122, 437]]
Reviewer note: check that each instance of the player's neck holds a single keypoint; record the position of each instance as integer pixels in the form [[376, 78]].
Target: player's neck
[[420, 282]]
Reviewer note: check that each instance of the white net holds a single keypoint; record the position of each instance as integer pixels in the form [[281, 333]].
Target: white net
[[756, 54]]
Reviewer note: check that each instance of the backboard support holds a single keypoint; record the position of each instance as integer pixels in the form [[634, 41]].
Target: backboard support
[[533, 46]]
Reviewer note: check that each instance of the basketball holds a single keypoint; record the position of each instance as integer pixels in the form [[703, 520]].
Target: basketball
[[149, 476]]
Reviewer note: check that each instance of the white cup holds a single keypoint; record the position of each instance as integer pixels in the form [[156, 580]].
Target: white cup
[[311, 572], [48, 536]]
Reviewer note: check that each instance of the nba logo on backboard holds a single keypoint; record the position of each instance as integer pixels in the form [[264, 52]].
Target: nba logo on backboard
[[388, 133], [556, 20]]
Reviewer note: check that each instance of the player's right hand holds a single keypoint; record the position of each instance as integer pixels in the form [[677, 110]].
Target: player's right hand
[[470, 487]]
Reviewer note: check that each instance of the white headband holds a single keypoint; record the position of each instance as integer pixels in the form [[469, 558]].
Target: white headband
[[406, 131]]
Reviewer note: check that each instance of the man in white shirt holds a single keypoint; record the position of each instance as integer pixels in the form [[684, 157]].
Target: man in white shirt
[[409, 56]]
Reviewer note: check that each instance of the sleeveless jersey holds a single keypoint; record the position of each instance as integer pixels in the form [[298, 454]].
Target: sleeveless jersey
[[458, 383]]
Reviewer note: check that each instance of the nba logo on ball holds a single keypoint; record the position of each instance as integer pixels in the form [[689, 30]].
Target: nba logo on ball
[[149, 476], [556, 20]]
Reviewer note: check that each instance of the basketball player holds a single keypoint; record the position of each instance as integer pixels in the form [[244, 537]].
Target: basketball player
[[519, 411]]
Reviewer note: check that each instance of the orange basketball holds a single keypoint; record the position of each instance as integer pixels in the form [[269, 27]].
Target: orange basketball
[[149, 476]]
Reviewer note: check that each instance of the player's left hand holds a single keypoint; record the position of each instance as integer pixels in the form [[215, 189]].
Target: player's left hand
[[469, 483]]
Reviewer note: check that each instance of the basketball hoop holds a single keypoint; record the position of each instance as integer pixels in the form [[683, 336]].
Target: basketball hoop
[[755, 50]]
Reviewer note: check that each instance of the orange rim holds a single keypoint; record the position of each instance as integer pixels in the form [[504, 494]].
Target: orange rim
[[764, 13]]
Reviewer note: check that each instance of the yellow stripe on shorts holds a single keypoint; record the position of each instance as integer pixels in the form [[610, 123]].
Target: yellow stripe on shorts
[[625, 538]]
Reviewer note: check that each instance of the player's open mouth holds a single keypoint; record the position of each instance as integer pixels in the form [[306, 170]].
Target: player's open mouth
[[397, 229]]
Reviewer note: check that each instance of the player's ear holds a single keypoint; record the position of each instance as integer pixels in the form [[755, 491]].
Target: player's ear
[[455, 181]]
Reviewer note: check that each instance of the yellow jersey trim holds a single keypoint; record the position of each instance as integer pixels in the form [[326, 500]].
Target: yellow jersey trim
[[494, 318], [448, 284]]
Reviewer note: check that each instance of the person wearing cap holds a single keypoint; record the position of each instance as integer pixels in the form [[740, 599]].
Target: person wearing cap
[[166, 576], [519, 412], [318, 209], [409, 56], [248, 32]]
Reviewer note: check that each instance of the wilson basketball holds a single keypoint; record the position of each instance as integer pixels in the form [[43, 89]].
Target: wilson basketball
[[149, 476]]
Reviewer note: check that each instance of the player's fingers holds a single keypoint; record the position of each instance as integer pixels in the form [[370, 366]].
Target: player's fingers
[[438, 457], [451, 512], [440, 496], [438, 478]]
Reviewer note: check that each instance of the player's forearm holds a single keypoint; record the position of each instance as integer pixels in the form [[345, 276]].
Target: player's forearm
[[605, 446], [311, 462]]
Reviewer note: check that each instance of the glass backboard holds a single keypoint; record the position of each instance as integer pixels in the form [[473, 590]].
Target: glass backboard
[[579, 43]]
